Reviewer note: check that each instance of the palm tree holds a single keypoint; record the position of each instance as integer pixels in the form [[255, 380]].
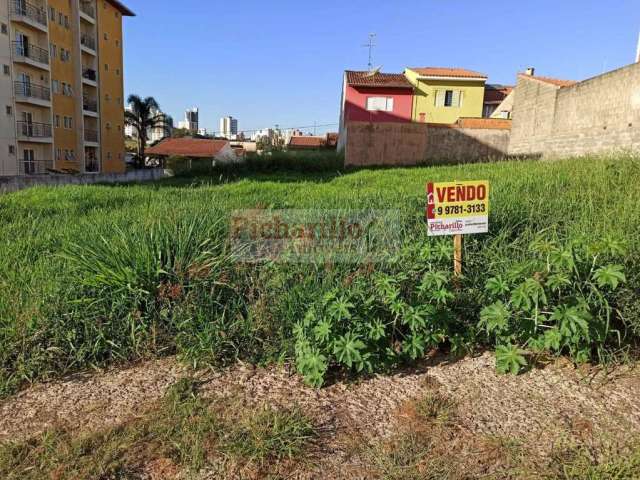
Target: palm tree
[[144, 115]]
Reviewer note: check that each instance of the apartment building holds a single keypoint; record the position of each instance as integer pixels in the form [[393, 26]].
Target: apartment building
[[61, 86]]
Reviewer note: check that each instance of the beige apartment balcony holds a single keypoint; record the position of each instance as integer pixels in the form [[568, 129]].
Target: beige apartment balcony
[[33, 94], [90, 106], [28, 14], [29, 54], [34, 167], [34, 132]]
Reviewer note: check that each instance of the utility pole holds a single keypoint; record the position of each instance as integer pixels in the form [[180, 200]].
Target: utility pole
[[370, 46]]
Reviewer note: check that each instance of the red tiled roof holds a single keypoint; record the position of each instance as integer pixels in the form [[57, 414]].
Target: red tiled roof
[[553, 81], [122, 8], [307, 141], [447, 72], [367, 79], [188, 147], [496, 93]]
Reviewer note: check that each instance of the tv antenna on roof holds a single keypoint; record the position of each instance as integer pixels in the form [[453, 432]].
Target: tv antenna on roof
[[373, 72], [370, 46]]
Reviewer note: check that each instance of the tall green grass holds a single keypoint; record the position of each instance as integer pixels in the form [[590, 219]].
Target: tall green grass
[[91, 275]]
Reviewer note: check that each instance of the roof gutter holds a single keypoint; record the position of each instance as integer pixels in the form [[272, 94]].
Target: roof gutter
[[459, 79]]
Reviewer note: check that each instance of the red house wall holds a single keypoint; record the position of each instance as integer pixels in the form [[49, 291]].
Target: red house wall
[[356, 104]]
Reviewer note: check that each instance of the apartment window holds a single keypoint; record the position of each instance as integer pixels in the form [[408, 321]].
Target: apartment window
[[60, 18], [118, 71], [53, 50], [52, 14], [58, 154], [4, 28], [12, 150], [117, 43], [384, 104], [106, 67], [9, 110], [55, 86], [106, 36], [57, 121], [6, 70], [66, 21], [449, 98]]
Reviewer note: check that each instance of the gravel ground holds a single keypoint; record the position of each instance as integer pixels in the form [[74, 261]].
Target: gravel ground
[[537, 408]]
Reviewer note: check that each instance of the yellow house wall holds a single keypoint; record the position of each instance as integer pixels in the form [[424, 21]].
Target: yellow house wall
[[111, 87], [425, 99], [65, 138]]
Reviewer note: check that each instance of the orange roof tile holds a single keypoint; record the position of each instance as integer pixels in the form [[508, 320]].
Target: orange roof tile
[[307, 141], [188, 147], [496, 93], [367, 79], [553, 81], [447, 72], [485, 123]]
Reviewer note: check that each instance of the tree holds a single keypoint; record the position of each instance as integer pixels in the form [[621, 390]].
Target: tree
[[144, 115]]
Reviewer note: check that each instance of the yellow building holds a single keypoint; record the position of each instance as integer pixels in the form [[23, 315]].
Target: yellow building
[[62, 66], [443, 95]]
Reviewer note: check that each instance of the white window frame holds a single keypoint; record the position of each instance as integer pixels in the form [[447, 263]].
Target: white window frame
[[379, 104]]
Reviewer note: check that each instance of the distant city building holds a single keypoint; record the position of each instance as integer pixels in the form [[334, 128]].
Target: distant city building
[[228, 127], [265, 135], [191, 120], [292, 132], [153, 134], [202, 132]]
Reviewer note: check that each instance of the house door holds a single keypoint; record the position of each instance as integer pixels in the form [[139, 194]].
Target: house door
[[22, 42], [27, 124], [29, 159], [25, 82]]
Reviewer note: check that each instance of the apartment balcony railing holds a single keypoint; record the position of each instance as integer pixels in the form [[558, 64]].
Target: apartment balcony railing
[[34, 130], [25, 89], [88, 41], [32, 52], [91, 164], [91, 136], [90, 105], [28, 10], [35, 167], [88, 9], [89, 74]]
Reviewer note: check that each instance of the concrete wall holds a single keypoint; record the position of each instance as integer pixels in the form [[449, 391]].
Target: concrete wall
[[594, 116], [12, 184], [369, 144]]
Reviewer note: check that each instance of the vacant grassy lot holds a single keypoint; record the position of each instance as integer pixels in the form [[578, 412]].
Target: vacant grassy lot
[[103, 274]]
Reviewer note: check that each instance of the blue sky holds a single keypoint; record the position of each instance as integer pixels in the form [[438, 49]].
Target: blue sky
[[281, 61]]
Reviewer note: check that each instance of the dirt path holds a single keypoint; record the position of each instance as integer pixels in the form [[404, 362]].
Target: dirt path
[[536, 407]]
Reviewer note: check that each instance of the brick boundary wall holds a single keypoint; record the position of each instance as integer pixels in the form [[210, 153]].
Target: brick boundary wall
[[598, 115], [408, 144], [13, 184]]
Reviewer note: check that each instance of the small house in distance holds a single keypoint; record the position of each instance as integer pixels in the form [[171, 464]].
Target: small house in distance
[[306, 142], [194, 148]]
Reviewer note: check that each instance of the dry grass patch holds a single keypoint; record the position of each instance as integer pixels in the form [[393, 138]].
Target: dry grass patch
[[183, 433]]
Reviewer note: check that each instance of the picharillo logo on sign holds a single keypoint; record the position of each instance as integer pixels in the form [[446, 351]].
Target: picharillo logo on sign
[[457, 208]]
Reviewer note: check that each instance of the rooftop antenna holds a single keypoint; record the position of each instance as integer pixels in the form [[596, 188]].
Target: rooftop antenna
[[374, 72], [370, 46]]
